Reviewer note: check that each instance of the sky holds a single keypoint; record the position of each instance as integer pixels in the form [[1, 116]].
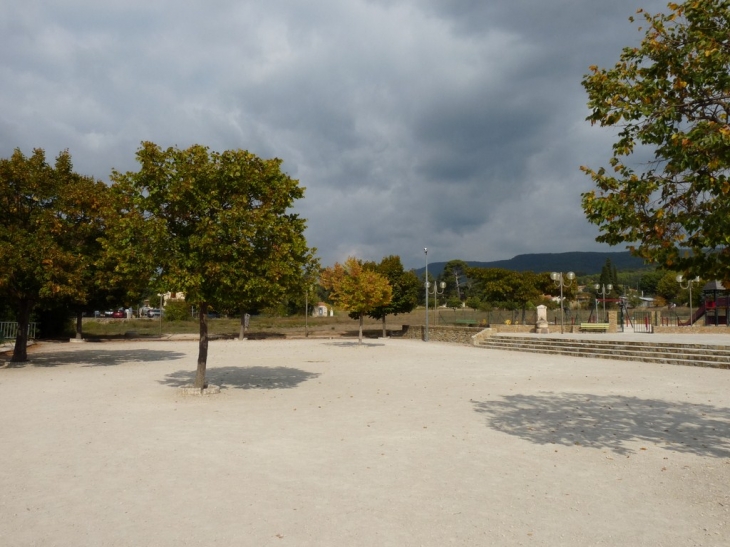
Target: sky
[[456, 125]]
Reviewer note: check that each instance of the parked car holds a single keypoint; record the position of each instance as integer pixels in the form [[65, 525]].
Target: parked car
[[154, 312], [119, 314]]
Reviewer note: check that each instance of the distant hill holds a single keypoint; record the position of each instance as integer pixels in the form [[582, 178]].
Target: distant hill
[[582, 263]]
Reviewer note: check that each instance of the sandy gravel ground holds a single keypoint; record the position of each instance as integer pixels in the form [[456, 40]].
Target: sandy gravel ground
[[396, 443]]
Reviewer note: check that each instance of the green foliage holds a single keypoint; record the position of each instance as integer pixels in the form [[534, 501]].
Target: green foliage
[[355, 288], [50, 219], [650, 280], [672, 95], [177, 310], [405, 288], [512, 290], [457, 283], [214, 226], [667, 286], [211, 225]]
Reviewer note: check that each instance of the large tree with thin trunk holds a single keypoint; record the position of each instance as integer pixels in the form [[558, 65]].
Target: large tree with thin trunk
[[357, 289], [214, 226], [405, 287], [667, 191], [50, 219]]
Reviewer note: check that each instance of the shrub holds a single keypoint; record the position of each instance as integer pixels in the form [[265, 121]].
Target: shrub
[[177, 311]]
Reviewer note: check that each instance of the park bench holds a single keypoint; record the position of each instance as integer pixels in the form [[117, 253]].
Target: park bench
[[594, 327], [468, 322]]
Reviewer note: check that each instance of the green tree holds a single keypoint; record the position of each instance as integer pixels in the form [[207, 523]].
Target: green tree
[[49, 216], [670, 95], [668, 288], [357, 289], [517, 290], [211, 225], [649, 281], [454, 275], [405, 288]]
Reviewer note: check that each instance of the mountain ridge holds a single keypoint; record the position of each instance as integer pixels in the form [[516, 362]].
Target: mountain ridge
[[579, 262]]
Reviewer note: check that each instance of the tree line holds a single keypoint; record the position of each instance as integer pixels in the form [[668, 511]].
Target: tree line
[[215, 226]]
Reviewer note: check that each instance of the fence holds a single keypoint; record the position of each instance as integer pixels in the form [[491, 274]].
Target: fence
[[9, 330], [466, 317]]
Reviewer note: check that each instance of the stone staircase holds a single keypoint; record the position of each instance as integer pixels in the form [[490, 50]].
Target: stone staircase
[[697, 355]]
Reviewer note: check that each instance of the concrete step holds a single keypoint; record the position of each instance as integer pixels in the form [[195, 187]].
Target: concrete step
[[705, 355], [719, 355]]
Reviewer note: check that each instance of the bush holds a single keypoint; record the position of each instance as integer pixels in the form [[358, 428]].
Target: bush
[[177, 311]]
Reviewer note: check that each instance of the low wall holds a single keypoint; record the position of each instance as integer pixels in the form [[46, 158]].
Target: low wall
[[721, 329], [459, 335]]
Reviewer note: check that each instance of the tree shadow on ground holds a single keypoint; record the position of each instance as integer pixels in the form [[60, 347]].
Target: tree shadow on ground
[[97, 357], [244, 377], [611, 422]]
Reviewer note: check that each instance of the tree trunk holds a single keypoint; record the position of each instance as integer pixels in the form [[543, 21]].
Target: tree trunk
[[20, 352], [360, 336], [79, 325], [202, 347], [242, 329], [385, 331]]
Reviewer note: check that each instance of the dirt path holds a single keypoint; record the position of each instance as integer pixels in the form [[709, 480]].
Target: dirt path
[[322, 442]]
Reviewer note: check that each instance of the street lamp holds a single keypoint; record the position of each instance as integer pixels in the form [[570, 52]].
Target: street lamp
[[559, 281], [680, 278], [603, 289], [436, 293], [425, 338]]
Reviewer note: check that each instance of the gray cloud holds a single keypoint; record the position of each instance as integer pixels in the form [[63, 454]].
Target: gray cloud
[[457, 125]]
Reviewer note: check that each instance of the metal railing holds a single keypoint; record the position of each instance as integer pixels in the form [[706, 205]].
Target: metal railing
[[9, 330]]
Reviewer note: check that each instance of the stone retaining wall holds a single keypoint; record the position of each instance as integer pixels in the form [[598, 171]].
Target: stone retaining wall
[[459, 335], [721, 329]]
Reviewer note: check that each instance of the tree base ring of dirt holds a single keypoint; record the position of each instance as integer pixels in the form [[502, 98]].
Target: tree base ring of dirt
[[189, 389]]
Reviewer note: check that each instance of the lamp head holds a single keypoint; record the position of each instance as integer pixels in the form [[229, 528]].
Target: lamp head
[[570, 276], [555, 276], [609, 287], [680, 278]]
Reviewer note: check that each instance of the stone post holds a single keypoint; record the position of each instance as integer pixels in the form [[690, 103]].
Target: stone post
[[542, 323], [612, 321]]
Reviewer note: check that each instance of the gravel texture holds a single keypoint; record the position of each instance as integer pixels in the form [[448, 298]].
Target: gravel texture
[[326, 442]]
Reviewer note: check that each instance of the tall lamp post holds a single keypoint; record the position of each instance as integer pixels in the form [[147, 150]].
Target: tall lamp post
[[603, 289], [680, 278], [436, 293], [559, 281], [425, 338]]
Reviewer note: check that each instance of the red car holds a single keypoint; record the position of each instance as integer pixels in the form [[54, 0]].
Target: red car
[[119, 314]]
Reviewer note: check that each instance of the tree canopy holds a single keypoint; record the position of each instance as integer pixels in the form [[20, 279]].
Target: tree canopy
[[669, 97], [50, 219], [212, 225], [357, 289], [405, 287]]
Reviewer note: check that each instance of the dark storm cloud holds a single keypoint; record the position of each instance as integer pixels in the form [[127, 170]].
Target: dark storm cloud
[[453, 124]]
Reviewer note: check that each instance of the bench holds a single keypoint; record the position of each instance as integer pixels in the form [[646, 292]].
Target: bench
[[469, 322], [594, 327]]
